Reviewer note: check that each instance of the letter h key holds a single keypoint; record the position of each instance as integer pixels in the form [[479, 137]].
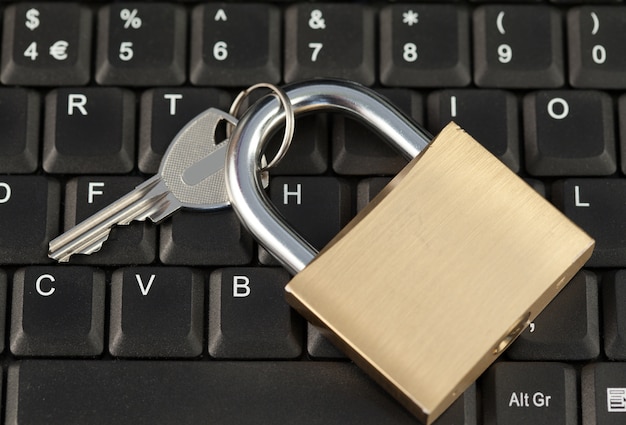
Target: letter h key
[[438, 275]]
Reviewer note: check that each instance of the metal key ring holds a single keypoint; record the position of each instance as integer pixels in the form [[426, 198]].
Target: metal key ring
[[289, 119]]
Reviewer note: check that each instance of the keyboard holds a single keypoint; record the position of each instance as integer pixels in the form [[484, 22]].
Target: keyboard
[[185, 322]]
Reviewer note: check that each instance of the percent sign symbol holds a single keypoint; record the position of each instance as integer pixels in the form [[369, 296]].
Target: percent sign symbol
[[130, 18]]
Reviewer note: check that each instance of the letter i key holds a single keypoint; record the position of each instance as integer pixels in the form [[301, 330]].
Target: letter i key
[[191, 175]]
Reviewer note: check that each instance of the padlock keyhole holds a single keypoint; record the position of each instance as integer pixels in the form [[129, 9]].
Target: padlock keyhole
[[513, 333]]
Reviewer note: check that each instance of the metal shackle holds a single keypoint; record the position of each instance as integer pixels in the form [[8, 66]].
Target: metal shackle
[[253, 131]]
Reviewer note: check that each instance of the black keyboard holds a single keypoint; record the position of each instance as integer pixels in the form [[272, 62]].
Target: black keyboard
[[185, 322]]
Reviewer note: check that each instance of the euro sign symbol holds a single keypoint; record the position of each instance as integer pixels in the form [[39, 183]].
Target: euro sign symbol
[[32, 20], [59, 50]]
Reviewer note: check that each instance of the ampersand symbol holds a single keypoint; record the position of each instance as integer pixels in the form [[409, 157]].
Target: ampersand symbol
[[317, 20]]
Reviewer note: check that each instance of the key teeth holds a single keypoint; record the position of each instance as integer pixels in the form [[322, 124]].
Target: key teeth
[[64, 255]]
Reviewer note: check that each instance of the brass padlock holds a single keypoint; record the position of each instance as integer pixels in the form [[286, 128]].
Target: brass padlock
[[438, 275]]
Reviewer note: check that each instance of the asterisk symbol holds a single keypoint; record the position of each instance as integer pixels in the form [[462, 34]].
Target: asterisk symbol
[[410, 18]]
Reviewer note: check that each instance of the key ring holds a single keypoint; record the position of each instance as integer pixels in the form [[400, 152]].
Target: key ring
[[289, 119]]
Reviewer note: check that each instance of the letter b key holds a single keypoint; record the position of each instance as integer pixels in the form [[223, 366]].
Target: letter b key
[[434, 279]]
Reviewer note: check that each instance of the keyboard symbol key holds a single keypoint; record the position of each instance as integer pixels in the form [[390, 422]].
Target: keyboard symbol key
[[616, 399]]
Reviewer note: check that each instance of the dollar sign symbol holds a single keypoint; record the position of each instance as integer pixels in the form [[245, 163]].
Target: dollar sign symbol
[[32, 20]]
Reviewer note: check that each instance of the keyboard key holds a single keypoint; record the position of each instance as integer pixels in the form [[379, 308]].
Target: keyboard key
[[569, 133], [89, 131], [319, 347], [329, 40], [597, 206], [357, 150], [205, 238], [464, 411], [249, 317], [3, 307], [164, 112], [471, 109], [530, 393], [518, 46], [156, 312], [596, 56], [19, 130], [46, 44], [603, 393], [424, 46], [621, 112], [568, 329], [222, 54], [614, 303], [169, 392], [368, 188], [308, 153], [29, 218], [57, 311], [132, 244], [141, 45]]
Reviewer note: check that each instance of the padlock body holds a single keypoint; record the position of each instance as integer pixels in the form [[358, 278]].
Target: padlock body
[[428, 284]]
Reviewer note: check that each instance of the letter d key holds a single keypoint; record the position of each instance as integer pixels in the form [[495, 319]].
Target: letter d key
[[438, 275]]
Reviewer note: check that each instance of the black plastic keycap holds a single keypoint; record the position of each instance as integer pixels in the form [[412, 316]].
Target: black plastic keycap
[[603, 393], [19, 130], [167, 392]]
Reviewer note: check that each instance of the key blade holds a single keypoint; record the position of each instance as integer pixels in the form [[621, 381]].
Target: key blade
[[89, 235]]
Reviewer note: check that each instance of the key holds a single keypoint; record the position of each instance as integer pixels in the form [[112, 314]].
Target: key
[[614, 303], [174, 392], [193, 155], [19, 130], [57, 311], [603, 393], [249, 317], [530, 393], [156, 312]]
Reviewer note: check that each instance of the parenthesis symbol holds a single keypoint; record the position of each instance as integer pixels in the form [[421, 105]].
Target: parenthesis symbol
[[499, 22], [596, 23]]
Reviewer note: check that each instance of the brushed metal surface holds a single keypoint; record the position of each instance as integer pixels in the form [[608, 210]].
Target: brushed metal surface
[[427, 286]]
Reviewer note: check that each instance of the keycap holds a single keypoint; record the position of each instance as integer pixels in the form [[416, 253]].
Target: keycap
[[249, 317], [57, 311], [569, 327], [29, 217], [192, 238], [469, 108], [173, 392], [603, 393], [597, 206], [424, 46], [156, 312], [317, 346], [3, 306], [569, 133], [184, 180], [518, 46], [614, 312], [89, 131], [368, 188], [329, 40], [316, 207], [596, 57], [46, 44], [359, 151], [85, 196], [164, 111], [19, 130], [622, 131], [141, 45], [222, 54], [520, 393]]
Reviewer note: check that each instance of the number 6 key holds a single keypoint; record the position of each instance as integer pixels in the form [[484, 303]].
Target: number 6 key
[[191, 175]]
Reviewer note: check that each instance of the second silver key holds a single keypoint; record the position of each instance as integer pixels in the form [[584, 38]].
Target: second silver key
[[191, 175]]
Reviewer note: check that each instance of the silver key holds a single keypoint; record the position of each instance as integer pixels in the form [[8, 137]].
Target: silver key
[[191, 175]]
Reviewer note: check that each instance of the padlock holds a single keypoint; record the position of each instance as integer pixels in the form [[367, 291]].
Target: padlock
[[427, 285]]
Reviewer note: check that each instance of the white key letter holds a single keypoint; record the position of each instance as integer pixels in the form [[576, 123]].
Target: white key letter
[[577, 201], [241, 286], [287, 194], [173, 98], [76, 101], [145, 289], [38, 285], [92, 190], [7, 193], [564, 108]]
